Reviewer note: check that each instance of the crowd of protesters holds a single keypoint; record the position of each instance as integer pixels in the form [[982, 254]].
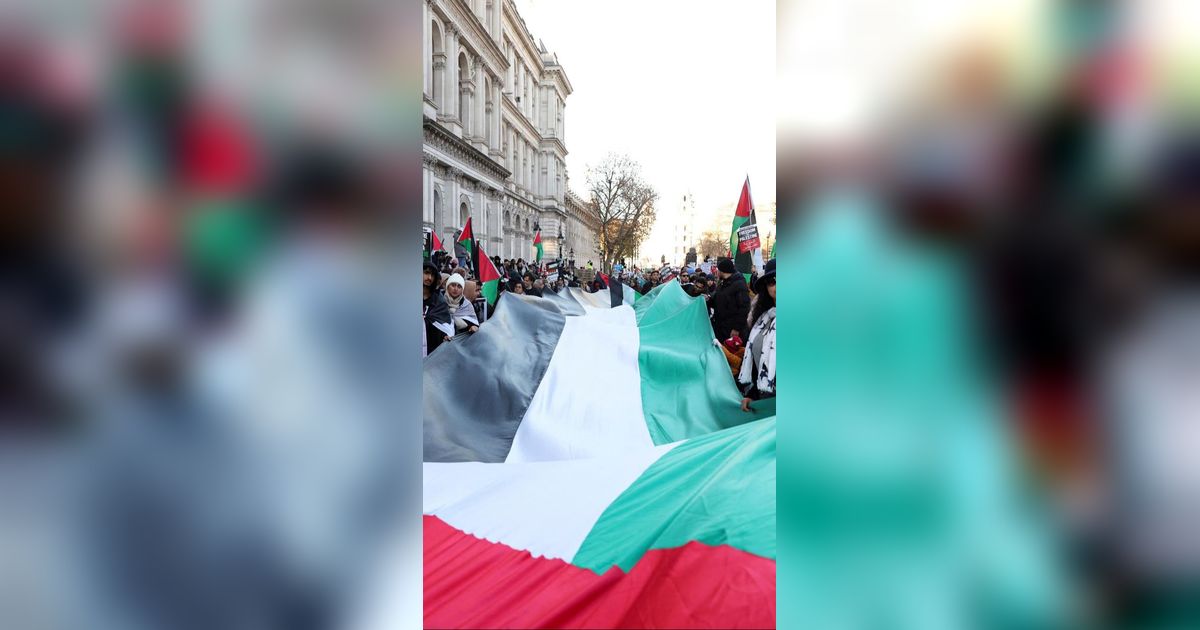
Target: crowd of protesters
[[742, 313]]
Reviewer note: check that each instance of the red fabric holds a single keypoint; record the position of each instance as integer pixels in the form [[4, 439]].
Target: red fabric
[[473, 583], [218, 153], [743, 207], [467, 234], [487, 269]]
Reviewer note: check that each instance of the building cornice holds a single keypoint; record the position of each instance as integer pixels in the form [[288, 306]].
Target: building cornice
[[554, 142], [439, 137], [515, 112], [468, 20], [555, 73], [522, 31]]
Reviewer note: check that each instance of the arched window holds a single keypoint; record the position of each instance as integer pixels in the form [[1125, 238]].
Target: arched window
[[437, 207], [464, 101], [438, 65], [464, 212]]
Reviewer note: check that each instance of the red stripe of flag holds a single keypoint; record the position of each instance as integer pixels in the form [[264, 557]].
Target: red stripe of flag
[[474, 583]]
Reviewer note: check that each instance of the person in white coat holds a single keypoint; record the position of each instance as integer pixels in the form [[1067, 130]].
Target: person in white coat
[[461, 309], [757, 376]]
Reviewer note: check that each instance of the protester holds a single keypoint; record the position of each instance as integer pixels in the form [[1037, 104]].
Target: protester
[[527, 280], [516, 286], [757, 375], [650, 283], [538, 287], [478, 302], [460, 308], [438, 324], [731, 302]]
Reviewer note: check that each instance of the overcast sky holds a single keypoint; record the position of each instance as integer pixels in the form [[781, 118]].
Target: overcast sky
[[685, 88]]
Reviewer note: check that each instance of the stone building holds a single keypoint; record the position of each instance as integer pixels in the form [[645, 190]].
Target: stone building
[[494, 144]]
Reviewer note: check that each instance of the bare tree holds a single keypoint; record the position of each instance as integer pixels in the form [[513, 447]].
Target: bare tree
[[624, 203], [713, 244]]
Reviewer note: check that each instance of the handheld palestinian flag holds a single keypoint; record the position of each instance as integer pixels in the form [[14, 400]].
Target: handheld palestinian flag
[[435, 243], [537, 244], [489, 277], [466, 240], [621, 293], [744, 246]]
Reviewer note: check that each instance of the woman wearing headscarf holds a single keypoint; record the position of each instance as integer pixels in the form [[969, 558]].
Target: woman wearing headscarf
[[757, 375], [461, 309]]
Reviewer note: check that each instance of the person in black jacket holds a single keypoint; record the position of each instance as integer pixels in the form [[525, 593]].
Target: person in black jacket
[[439, 326], [731, 302]]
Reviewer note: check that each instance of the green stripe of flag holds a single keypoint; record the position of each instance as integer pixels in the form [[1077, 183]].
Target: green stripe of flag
[[687, 386], [718, 489]]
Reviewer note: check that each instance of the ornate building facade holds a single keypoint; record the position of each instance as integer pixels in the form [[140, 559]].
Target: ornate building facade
[[581, 232], [494, 146]]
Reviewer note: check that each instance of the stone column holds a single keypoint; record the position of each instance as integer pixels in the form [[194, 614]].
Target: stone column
[[427, 50], [478, 113], [450, 218], [450, 88], [497, 19], [427, 191], [545, 175], [438, 84], [496, 117], [543, 110]]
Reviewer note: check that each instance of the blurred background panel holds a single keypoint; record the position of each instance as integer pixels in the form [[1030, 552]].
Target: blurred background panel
[[208, 345], [999, 197]]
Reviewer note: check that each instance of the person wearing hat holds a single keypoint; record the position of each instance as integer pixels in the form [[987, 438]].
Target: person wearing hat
[[439, 324], [756, 378], [461, 309], [730, 303]]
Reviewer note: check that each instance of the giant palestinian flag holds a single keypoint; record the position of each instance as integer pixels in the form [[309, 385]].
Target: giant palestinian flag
[[661, 379], [681, 535], [600, 474], [744, 245]]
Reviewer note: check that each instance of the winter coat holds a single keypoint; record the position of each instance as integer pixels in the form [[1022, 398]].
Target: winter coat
[[731, 307], [756, 378], [463, 313], [438, 322]]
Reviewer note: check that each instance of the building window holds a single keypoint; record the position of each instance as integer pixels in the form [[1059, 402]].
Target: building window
[[438, 65], [464, 101]]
